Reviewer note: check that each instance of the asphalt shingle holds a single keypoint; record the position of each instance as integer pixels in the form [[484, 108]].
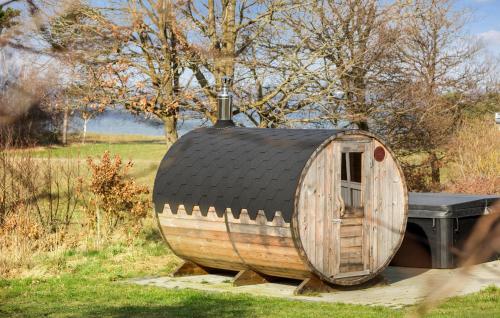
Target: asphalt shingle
[[240, 168]]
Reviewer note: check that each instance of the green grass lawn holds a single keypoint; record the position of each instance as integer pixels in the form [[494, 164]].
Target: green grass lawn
[[146, 152], [94, 284], [129, 147], [73, 296]]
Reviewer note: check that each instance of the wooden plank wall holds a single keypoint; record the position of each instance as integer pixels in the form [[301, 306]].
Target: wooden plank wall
[[266, 246], [368, 176], [201, 239], [319, 236], [389, 199], [233, 244]]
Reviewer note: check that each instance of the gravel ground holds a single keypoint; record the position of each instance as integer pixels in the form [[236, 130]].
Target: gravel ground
[[401, 286]]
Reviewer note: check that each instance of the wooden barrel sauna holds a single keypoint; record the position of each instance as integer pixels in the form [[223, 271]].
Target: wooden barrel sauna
[[295, 203]]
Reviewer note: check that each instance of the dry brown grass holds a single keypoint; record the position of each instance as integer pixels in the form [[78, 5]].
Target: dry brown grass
[[48, 206], [37, 207], [474, 155]]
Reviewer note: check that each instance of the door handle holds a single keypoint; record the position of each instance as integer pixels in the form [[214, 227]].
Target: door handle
[[337, 221], [341, 205]]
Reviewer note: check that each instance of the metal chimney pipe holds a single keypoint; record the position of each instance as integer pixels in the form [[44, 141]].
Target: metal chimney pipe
[[225, 104]]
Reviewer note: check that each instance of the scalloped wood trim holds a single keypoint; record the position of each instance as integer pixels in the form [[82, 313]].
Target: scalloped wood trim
[[212, 216], [244, 217], [259, 220], [195, 214]]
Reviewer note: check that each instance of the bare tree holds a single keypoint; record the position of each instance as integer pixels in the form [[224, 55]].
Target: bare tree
[[250, 41], [354, 43], [167, 58], [437, 71]]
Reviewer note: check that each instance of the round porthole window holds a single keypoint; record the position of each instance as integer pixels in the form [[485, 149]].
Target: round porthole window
[[379, 153]]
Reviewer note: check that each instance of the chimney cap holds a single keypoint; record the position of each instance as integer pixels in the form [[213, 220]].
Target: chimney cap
[[226, 81]]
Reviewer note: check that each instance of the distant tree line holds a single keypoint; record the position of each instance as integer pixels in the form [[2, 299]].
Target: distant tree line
[[406, 70]]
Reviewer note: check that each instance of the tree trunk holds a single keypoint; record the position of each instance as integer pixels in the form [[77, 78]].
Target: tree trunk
[[65, 126], [435, 171], [170, 129], [229, 38], [85, 122]]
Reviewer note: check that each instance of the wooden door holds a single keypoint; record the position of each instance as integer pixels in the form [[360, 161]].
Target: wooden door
[[351, 216]]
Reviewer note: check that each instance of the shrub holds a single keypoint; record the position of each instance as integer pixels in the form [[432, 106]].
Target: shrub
[[418, 175], [474, 155], [116, 198]]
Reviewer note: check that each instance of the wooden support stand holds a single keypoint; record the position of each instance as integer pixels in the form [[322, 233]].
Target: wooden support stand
[[312, 285], [248, 277], [189, 269]]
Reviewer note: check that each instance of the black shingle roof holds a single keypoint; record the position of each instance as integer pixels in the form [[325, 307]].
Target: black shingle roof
[[240, 168]]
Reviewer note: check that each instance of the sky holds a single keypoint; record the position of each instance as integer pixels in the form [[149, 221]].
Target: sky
[[485, 22]]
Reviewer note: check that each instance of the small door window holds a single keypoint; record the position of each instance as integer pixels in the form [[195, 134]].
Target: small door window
[[351, 176]]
